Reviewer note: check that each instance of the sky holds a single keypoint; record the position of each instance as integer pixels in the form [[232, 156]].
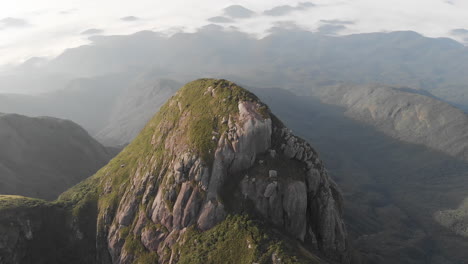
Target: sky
[[45, 28]]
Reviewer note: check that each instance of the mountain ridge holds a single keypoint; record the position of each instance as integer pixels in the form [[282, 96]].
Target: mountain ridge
[[405, 114], [43, 156], [393, 58]]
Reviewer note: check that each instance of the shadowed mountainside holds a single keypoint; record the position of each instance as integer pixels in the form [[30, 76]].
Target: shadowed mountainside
[[404, 114], [41, 157], [392, 189]]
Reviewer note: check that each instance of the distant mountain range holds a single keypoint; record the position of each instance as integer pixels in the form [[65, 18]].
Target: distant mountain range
[[84, 84], [385, 110], [287, 58]]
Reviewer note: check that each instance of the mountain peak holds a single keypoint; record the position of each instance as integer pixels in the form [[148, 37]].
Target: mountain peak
[[213, 162], [204, 109]]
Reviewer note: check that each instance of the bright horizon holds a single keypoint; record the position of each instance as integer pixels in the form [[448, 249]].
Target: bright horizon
[[46, 28]]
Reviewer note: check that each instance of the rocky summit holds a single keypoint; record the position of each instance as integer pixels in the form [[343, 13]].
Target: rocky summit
[[214, 177]]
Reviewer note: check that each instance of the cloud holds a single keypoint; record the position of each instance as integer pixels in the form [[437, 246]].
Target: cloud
[[129, 18], [305, 5], [337, 22], [11, 22], [68, 11], [220, 19], [286, 9], [333, 26], [92, 31], [330, 29], [53, 31], [34, 62], [281, 26], [211, 27], [460, 32], [238, 11], [279, 10]]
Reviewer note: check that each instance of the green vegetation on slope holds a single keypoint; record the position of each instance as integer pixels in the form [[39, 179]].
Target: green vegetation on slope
[[238, 239], [41, 157], [135, 247], [36, 231], [16, 201], [197, 112], [192, 113], [207, 115]]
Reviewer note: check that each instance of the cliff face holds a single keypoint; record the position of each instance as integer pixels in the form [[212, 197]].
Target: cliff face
[[455, 219], [213, 155], [235, 157], [34, 231]]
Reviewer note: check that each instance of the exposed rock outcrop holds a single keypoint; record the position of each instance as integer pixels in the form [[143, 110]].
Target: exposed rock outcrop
[[212, 151], [290, 188], [455, 219]]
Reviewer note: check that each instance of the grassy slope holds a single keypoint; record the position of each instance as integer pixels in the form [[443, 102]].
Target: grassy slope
[[206, 116], [239, 239], [16, 201]]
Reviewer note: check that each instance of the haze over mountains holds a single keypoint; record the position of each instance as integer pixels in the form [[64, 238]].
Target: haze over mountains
[[135, 107], [291, 59], [386, 116]]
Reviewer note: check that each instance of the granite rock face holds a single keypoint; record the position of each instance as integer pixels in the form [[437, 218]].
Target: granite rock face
[[454, 219], [289, 188], [307, 203], [212, 151]]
